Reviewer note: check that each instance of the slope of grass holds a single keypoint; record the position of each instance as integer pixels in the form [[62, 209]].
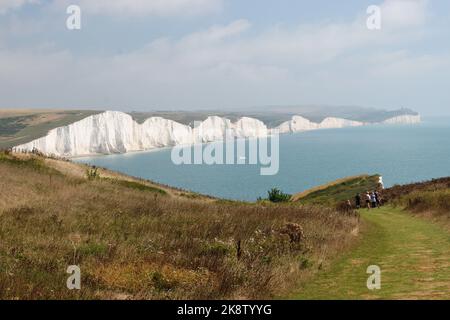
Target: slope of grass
[[398, 191], [136, 185], [136, 243], [433, 205], [413, 254], [436, 201], [338, 191], [12, 125], [24, 126]]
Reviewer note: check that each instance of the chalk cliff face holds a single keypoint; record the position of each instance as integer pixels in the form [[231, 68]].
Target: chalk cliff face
[[298, 124], [108, 132], [117, 132], [404, 119]]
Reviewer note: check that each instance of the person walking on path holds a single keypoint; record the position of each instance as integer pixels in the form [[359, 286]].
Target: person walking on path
[[358, 201], [368, 200], [373, 199], [378, 198]]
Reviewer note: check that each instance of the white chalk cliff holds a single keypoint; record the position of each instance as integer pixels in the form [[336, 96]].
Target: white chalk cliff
[[116, 132], [404, 119], [298, 124]]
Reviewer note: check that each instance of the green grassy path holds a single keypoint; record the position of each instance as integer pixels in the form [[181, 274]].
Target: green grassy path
[[413, 254]]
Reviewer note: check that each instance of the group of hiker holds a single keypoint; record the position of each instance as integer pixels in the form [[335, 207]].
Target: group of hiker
[[373, 200]]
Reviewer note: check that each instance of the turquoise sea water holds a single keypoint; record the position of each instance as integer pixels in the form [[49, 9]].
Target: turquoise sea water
[[401, 154]]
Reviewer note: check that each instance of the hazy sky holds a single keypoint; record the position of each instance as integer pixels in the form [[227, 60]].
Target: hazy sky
[[218, 54]]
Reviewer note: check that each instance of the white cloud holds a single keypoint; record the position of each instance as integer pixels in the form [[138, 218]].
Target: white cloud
[[150, 7], [6, 5], [232, 64], [403, 13], [217, 33], [401, 64]]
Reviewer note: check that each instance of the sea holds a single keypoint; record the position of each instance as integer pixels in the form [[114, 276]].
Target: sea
[[400, 153]]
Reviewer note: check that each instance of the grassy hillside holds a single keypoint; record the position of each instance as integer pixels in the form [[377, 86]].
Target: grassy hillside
[[429, 199], [136, 240], [338, 191], [24, 125]]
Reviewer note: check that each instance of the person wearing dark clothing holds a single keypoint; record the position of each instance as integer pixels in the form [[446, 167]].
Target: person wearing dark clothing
[[358, 201], [378, 198], [373, 200]]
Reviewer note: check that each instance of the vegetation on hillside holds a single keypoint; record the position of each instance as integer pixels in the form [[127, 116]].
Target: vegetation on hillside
[[399, 191], [276, 195], [141, 243], [21, 126], [334, 193], [431, 198]]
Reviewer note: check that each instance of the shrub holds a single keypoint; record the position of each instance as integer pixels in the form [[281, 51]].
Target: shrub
[[276, 195], [294, 231]]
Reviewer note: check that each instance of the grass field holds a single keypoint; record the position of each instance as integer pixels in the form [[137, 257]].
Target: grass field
[[136, 240], [413, 254], [24, 125]]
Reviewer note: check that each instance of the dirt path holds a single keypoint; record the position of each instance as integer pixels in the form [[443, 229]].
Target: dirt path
[[412, 253]]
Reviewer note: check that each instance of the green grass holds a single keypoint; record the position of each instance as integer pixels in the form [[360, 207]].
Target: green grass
[[15, 130], [413, 254], [339, 191], [31, 163], [12, 125]]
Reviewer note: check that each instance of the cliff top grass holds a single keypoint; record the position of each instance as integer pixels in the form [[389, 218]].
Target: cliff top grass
[[338, 191], [24, 125]]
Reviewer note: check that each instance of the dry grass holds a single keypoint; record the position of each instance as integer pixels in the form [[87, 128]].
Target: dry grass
[[399, 191], [140, 244], [434, 205], [6, 113], [429, 199]]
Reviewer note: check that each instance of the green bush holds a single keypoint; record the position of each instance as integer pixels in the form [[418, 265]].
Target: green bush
[[276, 195]]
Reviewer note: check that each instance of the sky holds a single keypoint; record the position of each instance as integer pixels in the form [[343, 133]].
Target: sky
[[224, 54]]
